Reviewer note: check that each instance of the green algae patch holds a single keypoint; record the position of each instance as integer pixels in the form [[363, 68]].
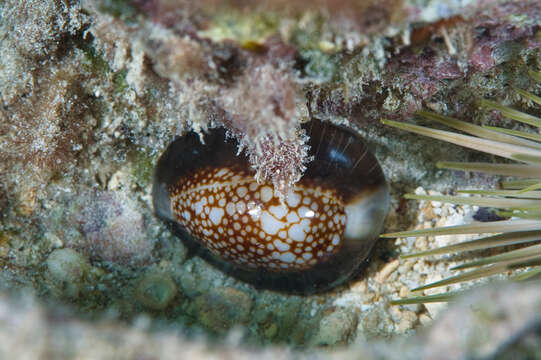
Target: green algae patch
[[118, 8], [119, 81], [142, 167], [321, 67], [94, 63]]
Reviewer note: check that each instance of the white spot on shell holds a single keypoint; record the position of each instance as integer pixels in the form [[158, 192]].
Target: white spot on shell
[[198, 207], [266, 193], [242, 191], [280, 245], [279, 211], [241, 207], [292, 217], [255, 212], [305, 212], [287, 257], [293, 199], [216, 215], [186, 215], [297, 231], [230, 208], [222, 172], [269, 224]]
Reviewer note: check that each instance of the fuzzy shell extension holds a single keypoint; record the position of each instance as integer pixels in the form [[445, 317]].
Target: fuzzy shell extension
[[314, 240]]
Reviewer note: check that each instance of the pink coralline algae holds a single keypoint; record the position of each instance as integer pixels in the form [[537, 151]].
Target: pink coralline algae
[[113, 229]]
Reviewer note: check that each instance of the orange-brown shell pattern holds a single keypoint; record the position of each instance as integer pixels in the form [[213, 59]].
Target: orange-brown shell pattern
[[245, 222]]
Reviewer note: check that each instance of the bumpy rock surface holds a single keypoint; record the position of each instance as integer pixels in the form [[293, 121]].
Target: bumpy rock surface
[[92, 91], [469, 329], [222, 308]]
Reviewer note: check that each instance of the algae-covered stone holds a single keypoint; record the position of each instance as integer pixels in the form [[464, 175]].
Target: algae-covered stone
[[114, 227], [222, 308], [155, 290], [336, 328], [68, 270]]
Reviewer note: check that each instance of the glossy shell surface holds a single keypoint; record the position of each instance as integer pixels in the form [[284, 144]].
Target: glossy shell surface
[[314, 239]]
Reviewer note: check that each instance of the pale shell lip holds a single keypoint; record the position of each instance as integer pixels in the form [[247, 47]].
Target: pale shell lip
[[366, 213], [161, 200]]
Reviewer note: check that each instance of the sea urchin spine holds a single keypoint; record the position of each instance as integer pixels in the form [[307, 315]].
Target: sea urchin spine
[[519, 200]]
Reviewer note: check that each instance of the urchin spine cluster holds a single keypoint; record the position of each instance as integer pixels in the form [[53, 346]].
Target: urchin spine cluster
[[518, 200]]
